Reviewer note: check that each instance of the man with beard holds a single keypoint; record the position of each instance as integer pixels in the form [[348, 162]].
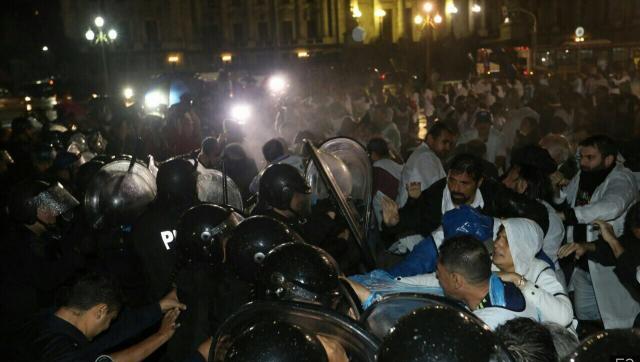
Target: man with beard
[[602, 190], [424, 166], [464, 185]]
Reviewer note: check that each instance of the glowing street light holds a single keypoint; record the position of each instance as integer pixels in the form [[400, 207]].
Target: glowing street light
[[355, 12], [451, 8], [45, 48], [127, 93], [112, 34], [226, 57], [427, 7], [99, 21], [90, 35], [507, 20], [380, 13], [476, 8], [277, 84], [418, 19], [437, 19]]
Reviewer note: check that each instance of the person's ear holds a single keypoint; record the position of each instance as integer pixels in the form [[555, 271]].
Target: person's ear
[[609, 160], [458, 280], [101, 311]]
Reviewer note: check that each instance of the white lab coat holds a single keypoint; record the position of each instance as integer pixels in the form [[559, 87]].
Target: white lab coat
[[423, 166], [542, 288], [609, 202]]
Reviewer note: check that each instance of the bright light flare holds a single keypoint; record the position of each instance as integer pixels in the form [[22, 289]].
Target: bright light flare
[[476, 8], [90, 35], [112, 34], [45, 48], [99, 21], [128, 93], [380, 13], [241, 113], [155, 98], [277, 84], [427, 7], [451, 8], [418, 20], [437, 19]]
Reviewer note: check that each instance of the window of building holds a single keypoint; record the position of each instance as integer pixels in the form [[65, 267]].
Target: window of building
[[286, 32], [263, 32], [151, 30], [238, 34]]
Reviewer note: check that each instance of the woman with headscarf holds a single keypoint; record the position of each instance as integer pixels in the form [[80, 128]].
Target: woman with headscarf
[[517, 243]]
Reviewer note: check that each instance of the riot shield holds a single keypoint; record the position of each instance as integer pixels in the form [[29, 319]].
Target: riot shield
[[380, 318], [340, 169], [357, 343], [119, 193], [211, 189]]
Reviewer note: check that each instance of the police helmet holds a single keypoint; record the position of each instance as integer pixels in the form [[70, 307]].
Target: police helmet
[[278, 184], [441, 333], [275, 341], [176, 180], [28, 196], [602, 345], [252, 240], [86, 173], [300, 272], [202, 230]]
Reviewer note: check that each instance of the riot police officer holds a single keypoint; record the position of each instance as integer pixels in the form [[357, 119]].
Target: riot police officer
[[154, 233], [203, 281], [36, 256], [300, 272], [285, 196]]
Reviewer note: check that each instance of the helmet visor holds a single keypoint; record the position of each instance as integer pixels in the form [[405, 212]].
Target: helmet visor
[[56, 200]]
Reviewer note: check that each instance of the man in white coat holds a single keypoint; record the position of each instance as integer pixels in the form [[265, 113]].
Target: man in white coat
[[424, 166], [602, 190]]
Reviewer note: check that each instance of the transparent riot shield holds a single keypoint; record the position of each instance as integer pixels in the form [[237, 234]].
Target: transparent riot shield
[[211, 189], [344, 334], [119, 193], [340, 169]]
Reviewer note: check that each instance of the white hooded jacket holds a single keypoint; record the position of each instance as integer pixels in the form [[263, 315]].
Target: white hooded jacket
[[609, 202], [542, 289]]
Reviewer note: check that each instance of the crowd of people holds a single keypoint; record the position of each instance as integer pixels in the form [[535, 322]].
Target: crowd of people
[[508, 208]]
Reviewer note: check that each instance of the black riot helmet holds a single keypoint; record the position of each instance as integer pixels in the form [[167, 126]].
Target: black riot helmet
[[602, 345], [441, 333], [86, 173], [252, 240], [275, 341], [278, 183], [202, 231], [27, 197], [176, 181], [300, 272]]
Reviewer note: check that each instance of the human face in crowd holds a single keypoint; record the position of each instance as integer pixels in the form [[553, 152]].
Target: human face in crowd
[[514, 182], [483, 129], [441, 145], [448, 281], [99, 319], [591, 159], [501, 253], [462, 187], [301, 204]]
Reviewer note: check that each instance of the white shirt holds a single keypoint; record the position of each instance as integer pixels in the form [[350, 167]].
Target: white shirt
[[496, 146], [447, 203], [423, 166]]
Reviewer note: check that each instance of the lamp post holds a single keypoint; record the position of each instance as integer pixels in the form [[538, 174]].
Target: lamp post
[[380, 14], [98, 36], [534, 34]]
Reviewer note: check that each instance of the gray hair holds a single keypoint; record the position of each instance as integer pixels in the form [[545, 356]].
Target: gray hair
[[564, 340]]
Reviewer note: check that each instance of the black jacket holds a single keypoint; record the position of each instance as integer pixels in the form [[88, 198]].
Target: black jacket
[[51, 339], [625, 266], [424, 215]]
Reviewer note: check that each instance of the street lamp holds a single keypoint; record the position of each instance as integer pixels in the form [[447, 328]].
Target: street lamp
[[437, 19], [475, 8], [427, 7], [45, 48], [97, 36], [451, 8]]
